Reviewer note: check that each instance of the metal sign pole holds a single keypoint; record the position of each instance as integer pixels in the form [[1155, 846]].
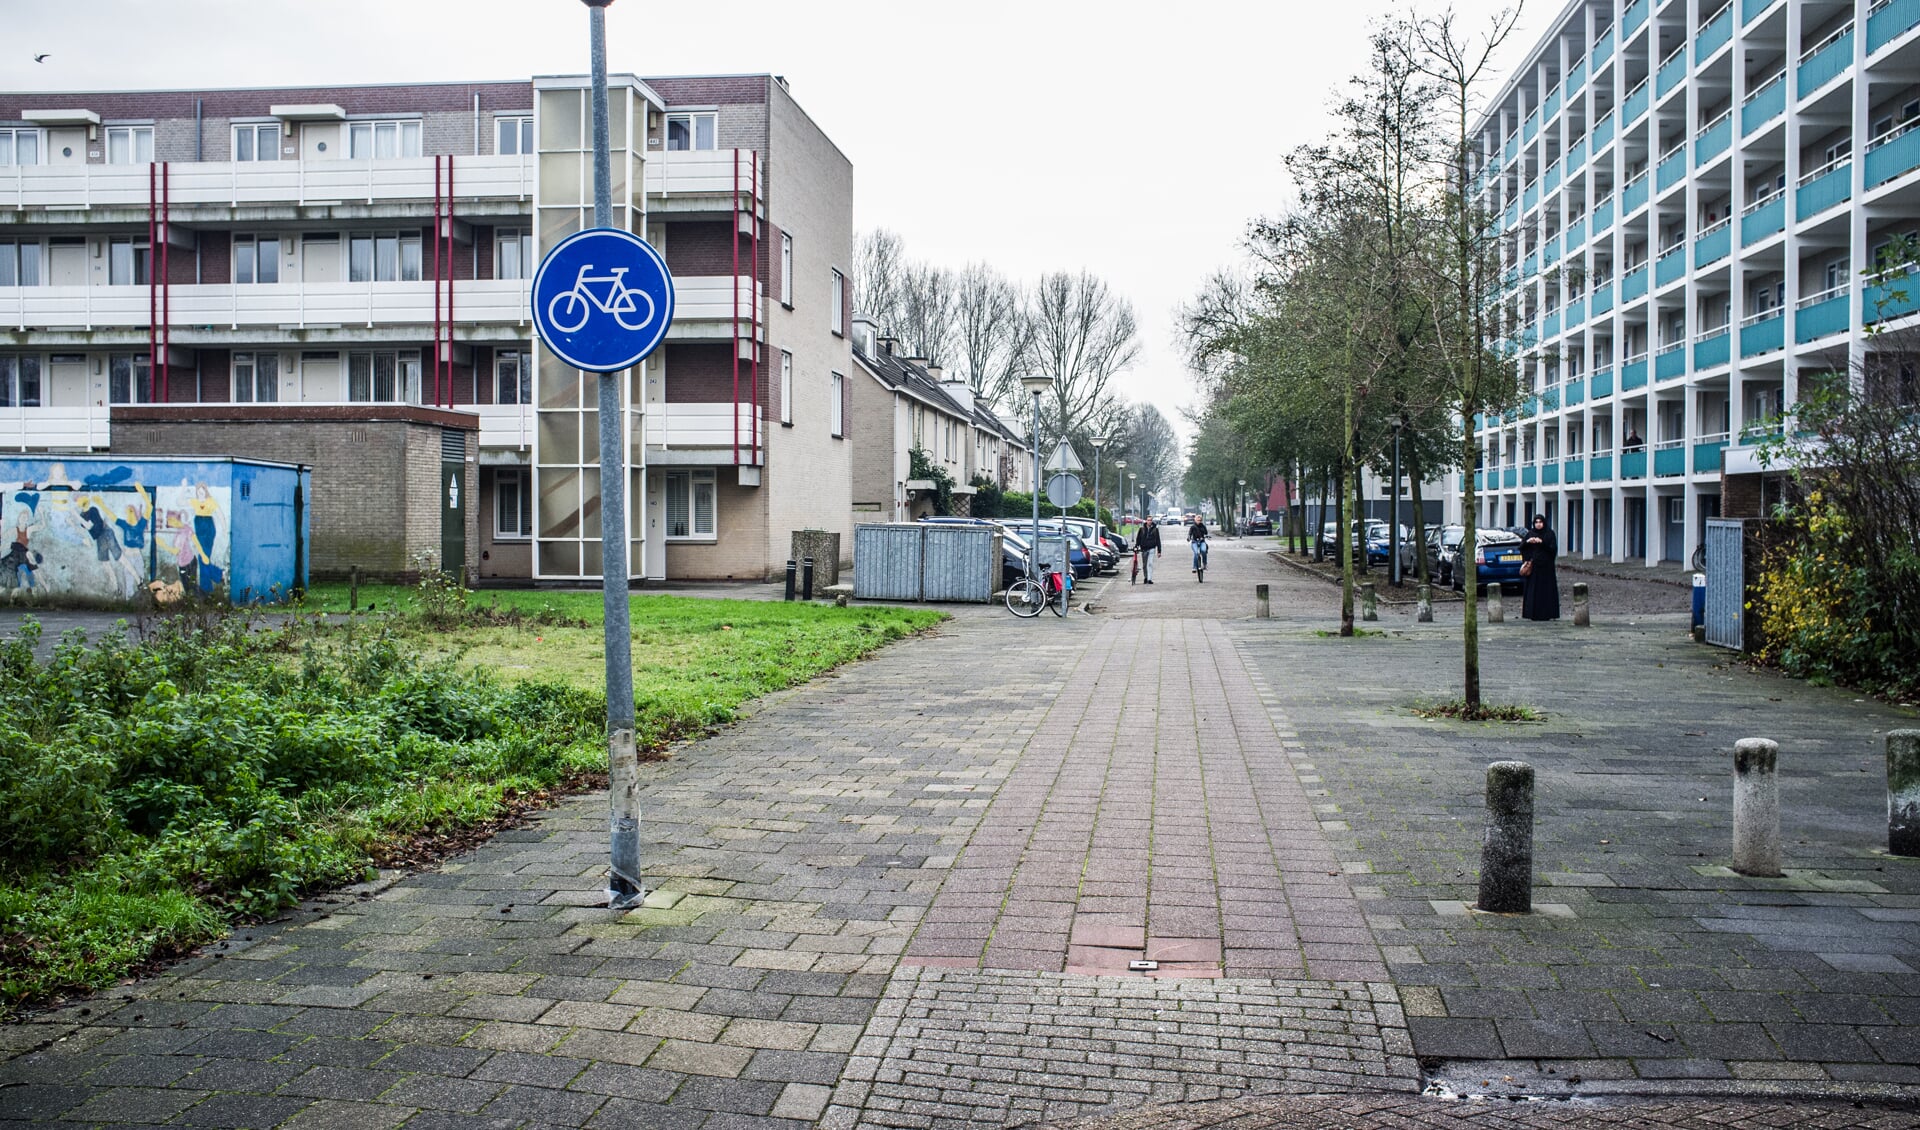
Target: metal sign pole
[[624, 888]]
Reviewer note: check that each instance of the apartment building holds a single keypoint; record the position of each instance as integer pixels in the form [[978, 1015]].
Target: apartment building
[[340, 277], [1693, 195]]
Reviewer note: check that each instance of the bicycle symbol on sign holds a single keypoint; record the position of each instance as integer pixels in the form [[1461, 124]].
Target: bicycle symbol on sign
[[570, 309]]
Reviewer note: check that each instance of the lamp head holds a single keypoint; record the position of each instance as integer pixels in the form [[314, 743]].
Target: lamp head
[[1036, 383], [1098, 442], [1120, 463]]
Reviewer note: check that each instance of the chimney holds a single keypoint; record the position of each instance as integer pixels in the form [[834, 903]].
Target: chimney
[[959, 390]]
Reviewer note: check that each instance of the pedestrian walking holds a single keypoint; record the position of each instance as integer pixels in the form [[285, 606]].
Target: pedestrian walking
[[1540, 599], [1147, 543]]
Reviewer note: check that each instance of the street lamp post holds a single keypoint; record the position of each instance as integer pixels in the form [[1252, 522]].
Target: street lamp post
[[1120, 506], [1098, 442], [1132, 486], [1393, 511], [1243, 509], [1035, 384]]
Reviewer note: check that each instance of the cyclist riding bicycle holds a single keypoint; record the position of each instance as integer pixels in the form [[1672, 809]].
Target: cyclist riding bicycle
[[1197, 538]]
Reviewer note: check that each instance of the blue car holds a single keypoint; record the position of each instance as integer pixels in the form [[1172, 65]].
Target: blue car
[[1497, 561], [1049, 541]]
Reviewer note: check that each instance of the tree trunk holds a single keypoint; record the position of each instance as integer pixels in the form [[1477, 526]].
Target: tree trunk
[[1350, 499], [1419, 516]]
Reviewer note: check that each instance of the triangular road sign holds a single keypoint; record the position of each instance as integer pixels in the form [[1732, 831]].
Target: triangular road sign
[[1064, 458]]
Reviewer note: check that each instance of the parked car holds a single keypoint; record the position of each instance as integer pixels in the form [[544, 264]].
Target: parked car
[[1105, 558], [1380, 545], [1496, 561], [1013, 547], [1260, 524], [1048, 549], [1099, 534]]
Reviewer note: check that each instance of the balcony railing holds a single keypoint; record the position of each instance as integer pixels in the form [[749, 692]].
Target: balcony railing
[[1767, 102], [1819, 315], [705, 172], [1823, 188], [1889, 20], [504, 425], [1635, 103], [1672, 168], [1714, 244], [1671, 265], [719, 424], [1713, 138], [1672, 69], [1826, 60], [264, 182], [1670, 458], [83, 427], [1707, 451], [1762, 333], [1671, 362], [1600, 384], [298, 305], [1712, 347], [1893, 152], [1715, 32], [1763, 218]]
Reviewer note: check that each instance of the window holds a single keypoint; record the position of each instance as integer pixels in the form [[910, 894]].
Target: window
[[384, 257], [128, 262], [1836, 274], [382, 141], [837, 321], [837, 406], [130, 378], [513, 136], [786, 388], [129, 145], [19, 147], [513, 253], [256, 259], [19, 382], [256, 142], [786, 270], [512, 377], [512, 504], [693, 131], [19, 264], [384, 378], [690, 506], [256, 378]]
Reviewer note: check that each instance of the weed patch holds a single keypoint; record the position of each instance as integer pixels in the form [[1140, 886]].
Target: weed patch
[[1486, 712]]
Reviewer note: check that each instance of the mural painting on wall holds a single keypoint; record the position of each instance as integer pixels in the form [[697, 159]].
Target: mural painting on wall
[[106, 535]]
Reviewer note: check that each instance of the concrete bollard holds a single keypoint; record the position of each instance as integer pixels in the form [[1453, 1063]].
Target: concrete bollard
[[1903, 792], [1369, 603], [1506, 848], [1426, 605], [1580, 619], [793, 567], [1756, 807], [1495, 613], [1262, 606]]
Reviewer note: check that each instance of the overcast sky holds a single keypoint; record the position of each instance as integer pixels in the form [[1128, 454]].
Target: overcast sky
[[1132, 140]]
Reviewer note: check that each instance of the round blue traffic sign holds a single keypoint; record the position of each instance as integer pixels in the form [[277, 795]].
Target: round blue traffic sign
[[602, 300]]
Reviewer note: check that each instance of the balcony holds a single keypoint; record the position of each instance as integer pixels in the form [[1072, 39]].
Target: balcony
[[1570, 470], [1634, 107], [279, 306], [1602, 300], [1672, 169], [1891, 20], [1751, 10], [1826, 61], [1576, 234], [1550, 325], [1633, 465], [1670, 458], [1634, 195], [1510, 478], [1602, 134], [1635, 15], [712, 297], [1670, 362], [1897, 296], [1600, 384], [504, 425], [1576, 391], [720, 424], [1763, 219], [1576, 311], [1633, 284], [234, 183], [80, 427], [1550, 474], [1602, 51], [1532, 129], [1820, 315], [1671, 266], [1764, 105], [1712, 37], [1714, 244], [1530, 197], [1713, 139], [1894, 154], [703, 172], [1672, 69], [1600, 468], [1712, 348], [1551, 180], [1823, 188], [1550, 254], [1528, 476], [1763, 333], [1706, 452], [1530, 266], [1602, 216], [1633, 374], [1576, 76], [1551, 106]]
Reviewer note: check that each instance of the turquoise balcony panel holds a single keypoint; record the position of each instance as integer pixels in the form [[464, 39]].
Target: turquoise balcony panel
[[1824, 191], [1602, 300], [1892, 298], [1550, 254], [1672, 170], [1550, 400], [1670, 363], [1571, 471], [1713, 351], [1602, 51], [1670, 74], [1763, 336], [1510, 477], [1633, 465], [1527, 476], [1636, 105], [1600, 384], [1633, 375], [1511, 151], [1713, 35], [1820, 319], [1602, 216], [1552, 105], [1602, 133], [1889, 160], [1671, 266], [1600, 468], [1750, 9], [1713, 246], [1764, 105], [1576, 312], [1529, 407], [1576, 76], [1530, 197], [1479, 480], [1636, 15], [1551, 180], [1532, 129], [1669, 461], [1576, 233], [1576, 391], [1550, 326], [1633, 196], [1706, 456], [1633, 284], [1826, 64], [1763, 221], [1530, 266], [1891, 22], [1714, 141], [1549, 474], [1576, 156]]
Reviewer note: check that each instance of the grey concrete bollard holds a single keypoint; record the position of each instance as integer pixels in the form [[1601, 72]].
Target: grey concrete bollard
[[1756, 807], [1426, 605], [1495, 613], [1506, 848], [1262, 606], [1369, 602], [1903, 792], [1580, 618]]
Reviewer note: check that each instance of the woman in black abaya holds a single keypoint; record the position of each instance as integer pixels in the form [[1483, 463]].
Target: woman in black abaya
[[1541, 588]]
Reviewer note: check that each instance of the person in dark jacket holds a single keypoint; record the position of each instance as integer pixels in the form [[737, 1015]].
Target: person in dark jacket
[[1147, 544], [1541, 589]]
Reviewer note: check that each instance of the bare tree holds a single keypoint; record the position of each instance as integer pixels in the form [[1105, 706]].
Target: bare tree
[[925, 319], [1082, 335], [990, 333], [879, 277]]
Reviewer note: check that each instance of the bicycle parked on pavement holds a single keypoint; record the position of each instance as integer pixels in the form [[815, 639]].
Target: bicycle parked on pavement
[[1028, 596]]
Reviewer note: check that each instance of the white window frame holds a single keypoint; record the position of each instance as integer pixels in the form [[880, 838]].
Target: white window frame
[[15, 254], [249, 250], [513, 135], [686, 488], [137, 269], [10, 152], [254, 132], [247, 376], [837, 407], [404, 135], [13, 380], [692, 121], [402, 241], [786, 388], [837, 321], [521, 240], [138, 365], [135, 144], [518, 480], [786, 270], [521, 362], [406, 375]]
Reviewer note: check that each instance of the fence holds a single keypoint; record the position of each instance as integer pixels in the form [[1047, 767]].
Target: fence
[[923, 561]]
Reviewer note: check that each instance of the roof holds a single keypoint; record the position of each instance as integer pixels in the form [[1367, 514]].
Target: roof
[[902, 375]]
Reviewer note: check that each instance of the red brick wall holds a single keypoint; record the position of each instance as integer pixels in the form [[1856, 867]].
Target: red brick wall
[[216, 376], [216, 257], [707, 90], [482, 252], [703, 247], [701, 373]]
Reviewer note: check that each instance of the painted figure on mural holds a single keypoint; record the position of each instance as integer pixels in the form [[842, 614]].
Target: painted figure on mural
[[206, 530], [133, 527], [17, 566]]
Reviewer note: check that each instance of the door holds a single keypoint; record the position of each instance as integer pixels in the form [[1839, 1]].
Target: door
[[320, 141], [453, 502], [1674, 541], [67, 146], [1636, 528], [320, 258], [320, 379], [66, 381], [1603, 527], [67, 262]]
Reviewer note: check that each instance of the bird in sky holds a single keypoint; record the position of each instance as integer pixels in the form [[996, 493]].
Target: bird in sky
[[43, 57]]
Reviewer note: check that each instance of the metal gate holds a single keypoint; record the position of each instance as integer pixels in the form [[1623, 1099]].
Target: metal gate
[[453, 502], [926, 561], [1726, 583]]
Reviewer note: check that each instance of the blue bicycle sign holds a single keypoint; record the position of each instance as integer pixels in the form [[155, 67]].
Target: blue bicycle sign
[[602, 300]]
